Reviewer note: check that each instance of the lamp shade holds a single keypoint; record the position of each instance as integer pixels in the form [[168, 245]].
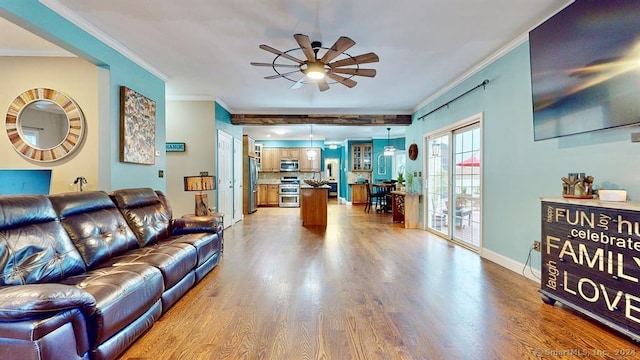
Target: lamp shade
[[199, 183]]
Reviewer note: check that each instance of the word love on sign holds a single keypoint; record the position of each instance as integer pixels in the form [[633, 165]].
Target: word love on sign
[[591, 261]]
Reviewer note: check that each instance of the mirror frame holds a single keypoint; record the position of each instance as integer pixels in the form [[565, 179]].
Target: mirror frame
[[68, 145]]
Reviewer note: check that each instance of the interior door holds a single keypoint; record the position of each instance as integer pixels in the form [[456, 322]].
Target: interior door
[[225, 175], [237, 180]]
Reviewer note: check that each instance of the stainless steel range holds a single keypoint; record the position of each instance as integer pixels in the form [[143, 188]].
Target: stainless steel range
[[289, 191]]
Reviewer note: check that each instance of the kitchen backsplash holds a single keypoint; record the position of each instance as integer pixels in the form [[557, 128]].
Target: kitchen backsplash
[[274, 177]]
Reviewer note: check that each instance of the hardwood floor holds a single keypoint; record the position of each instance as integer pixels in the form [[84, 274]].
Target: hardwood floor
[[365, 288]]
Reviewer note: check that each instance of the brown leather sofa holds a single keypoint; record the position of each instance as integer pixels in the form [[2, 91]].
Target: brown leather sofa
[[83, 275]]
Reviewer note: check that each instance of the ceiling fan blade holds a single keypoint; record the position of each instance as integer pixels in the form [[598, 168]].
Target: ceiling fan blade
[[322, 85], [305, 44], [281, 75], [352, 71], [360, 59], [341, 45], [342, 80], [275, 65], [278, 52], [299, 83]]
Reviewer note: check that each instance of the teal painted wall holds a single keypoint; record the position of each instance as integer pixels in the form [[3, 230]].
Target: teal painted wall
[[37, 18], [517, 170]]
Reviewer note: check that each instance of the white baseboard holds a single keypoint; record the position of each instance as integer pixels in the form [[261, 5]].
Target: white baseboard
[[531, 274]]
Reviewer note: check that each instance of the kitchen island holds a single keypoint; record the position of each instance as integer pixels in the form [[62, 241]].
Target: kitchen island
[[313, 205]]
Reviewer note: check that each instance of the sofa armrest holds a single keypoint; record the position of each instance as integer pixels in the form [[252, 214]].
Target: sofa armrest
[[21, 302], [195, 224]]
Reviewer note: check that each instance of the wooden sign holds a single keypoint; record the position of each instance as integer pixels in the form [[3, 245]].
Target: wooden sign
[[591, 262], [176, 147]]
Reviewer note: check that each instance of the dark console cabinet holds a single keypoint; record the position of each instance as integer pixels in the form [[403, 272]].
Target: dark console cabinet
[[591, 260]]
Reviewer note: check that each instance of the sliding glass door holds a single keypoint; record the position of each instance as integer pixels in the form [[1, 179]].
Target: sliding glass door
[[453, 195], [466, 186], [438, 184]]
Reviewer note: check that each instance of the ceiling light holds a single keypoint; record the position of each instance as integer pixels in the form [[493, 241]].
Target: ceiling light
[[389, 150], [315, 70], [280, 132], [311, 154], [333, 146]]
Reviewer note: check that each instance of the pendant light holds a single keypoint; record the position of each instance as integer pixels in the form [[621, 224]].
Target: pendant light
[[389, 150], [311, 154]]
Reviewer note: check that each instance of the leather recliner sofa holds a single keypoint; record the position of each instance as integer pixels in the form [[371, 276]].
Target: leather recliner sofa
[[83, 275]]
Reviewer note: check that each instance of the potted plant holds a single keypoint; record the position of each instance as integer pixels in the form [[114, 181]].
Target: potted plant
[[400, 186], [409, 182]]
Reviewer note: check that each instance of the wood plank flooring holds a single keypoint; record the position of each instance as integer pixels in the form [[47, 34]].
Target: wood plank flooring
[[364, 288]]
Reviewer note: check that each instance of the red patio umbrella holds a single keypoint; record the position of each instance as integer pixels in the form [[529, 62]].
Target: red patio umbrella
[[472, 161]]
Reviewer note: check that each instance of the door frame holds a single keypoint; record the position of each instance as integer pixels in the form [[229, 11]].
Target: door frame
[[449, 130], [237, 180]]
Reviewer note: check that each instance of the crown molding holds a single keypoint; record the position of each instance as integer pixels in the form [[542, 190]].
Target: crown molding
[[36, 53], [190, 98], [490, 59], [75, 19], [481, 65]]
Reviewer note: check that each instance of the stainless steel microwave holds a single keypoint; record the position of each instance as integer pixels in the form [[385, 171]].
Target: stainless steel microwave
[[289, 165]]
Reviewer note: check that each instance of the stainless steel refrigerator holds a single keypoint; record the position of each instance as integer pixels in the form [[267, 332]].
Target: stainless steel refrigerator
[[253, 185]]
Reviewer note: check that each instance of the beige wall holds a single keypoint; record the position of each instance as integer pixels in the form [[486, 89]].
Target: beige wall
[[191, 122], [77, 79]]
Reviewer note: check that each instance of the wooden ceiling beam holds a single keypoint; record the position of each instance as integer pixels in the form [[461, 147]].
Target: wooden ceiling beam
[[350, 120]]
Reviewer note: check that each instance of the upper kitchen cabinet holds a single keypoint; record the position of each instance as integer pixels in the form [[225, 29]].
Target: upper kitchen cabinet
[[270, 159], [289, 154], [361, 157], [249, 145], [258, 152], [310, 165]]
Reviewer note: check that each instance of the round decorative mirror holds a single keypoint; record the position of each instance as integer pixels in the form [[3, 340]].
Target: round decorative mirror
[[44, 124]]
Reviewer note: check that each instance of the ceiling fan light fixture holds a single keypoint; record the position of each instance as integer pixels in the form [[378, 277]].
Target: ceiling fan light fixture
[[315, 71]]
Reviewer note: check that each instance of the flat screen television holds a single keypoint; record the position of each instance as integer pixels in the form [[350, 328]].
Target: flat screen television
[[585, 68], [25, 182]]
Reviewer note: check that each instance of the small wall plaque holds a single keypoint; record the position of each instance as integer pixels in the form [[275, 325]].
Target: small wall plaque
[[175, 147]]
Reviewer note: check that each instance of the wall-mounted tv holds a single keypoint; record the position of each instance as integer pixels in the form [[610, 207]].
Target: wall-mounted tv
[[585, 68], [25, 182]]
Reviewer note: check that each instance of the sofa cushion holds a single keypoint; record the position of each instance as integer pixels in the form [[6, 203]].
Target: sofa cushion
[[144, 212], [206, 244], [94, 224], [122, 293], [174, 260], [34, 247]]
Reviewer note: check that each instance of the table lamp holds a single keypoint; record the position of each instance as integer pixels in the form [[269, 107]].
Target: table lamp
[[200, 184]]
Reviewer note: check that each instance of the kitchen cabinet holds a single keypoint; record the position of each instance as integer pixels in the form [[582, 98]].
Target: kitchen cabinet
[[590, 260], [359, 193], [361, 157], [258, 153], [313, 205], [289, 154], [249, 145], [270, 159], [268, 195], [307, 165]]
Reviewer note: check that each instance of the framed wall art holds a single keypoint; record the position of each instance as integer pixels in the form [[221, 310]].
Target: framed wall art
[[137, 127]]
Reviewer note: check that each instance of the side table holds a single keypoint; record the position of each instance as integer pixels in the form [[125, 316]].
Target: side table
[[211, 216]]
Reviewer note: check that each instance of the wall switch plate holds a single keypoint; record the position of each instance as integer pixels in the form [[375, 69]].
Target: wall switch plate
[[635, 137], [536, 245], [160, 173]]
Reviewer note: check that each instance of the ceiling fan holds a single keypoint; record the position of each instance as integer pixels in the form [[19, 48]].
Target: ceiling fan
[[318, 64]]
